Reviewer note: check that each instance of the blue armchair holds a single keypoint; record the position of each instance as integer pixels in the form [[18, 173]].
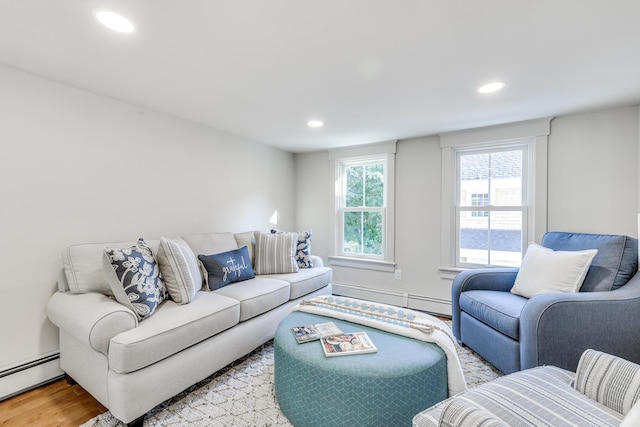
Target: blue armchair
[[515, 333]]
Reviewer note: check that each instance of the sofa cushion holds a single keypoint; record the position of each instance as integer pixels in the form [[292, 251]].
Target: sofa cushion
[[614, 264], [211, 243], [180, 270], [275, 253], [305, 281], [134, 277], [227, 267], [610, 380], [83, 266], [171, 329], [544, 270], [500, 310], [257, 295]]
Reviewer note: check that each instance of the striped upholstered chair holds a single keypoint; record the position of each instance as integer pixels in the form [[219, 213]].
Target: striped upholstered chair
[[603, 392]]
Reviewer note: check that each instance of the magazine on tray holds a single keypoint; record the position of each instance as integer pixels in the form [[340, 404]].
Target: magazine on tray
[[347, 344], [315, 332]]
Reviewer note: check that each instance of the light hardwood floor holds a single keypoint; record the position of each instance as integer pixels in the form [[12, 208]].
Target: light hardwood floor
[[55, 404]]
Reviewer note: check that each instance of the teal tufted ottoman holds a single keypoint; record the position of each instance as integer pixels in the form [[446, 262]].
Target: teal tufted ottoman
[[387, 388]]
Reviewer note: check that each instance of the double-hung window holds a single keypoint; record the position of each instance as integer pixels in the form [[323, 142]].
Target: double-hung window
[[363, 208], [494, 198]]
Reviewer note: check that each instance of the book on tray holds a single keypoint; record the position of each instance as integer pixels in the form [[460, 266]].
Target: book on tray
[[347, 344], [315, 332]]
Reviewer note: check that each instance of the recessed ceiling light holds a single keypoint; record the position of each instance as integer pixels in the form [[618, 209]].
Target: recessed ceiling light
[[491, 87], [315, 124], [114, 21]]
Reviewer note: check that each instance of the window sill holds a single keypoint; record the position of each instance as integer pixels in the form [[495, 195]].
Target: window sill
[[450, 272], [365, 264]]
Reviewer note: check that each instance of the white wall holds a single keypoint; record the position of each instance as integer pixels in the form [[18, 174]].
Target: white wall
[[593, 172], [77, 167], [592, 187]]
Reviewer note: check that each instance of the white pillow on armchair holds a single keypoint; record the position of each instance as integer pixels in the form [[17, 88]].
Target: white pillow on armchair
[[544, 270]]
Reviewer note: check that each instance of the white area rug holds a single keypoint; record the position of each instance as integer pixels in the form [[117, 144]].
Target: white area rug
[[242, 394]]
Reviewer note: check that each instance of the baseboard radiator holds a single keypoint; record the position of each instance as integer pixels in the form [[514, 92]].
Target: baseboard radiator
[[400, 299], [29, 374]]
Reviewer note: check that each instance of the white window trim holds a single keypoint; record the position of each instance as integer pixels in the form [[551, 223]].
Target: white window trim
[[536, 132], [364, 152]]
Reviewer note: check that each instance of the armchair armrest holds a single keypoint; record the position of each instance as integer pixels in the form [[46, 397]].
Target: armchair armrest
[[492, 279], [556, 328], [91, 318]]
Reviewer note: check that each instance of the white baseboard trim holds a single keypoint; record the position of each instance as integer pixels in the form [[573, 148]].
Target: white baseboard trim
[[29, 374], [400, 299], [430, 305]]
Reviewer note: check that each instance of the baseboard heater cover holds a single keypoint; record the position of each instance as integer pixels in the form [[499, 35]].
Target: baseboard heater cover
[[28, 375]]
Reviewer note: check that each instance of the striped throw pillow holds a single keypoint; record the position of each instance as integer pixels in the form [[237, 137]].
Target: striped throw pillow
[[275, 253], [609, 380], [463, 413], [180, 269]]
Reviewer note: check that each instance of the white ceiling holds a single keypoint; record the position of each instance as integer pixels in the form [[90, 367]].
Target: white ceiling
[[372, 70]]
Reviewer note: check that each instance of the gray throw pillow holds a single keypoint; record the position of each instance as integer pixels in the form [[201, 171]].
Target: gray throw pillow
[[179, 268], [303, 248], [134, 278], [275, 253]]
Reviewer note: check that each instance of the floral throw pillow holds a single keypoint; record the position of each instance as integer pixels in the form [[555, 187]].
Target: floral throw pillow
[[303, 250], [134, 278]]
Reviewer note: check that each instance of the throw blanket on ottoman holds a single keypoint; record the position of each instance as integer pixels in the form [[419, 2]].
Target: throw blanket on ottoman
[[401, 321]]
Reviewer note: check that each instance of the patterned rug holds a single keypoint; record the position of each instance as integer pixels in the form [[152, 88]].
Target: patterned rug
[[242, 394]]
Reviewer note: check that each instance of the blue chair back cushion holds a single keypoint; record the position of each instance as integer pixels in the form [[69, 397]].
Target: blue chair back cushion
[[614, 264]]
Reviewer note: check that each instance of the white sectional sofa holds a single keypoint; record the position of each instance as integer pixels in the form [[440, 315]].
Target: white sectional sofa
[[131, 365]]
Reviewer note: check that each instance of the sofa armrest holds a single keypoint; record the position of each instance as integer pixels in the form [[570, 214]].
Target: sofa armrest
[[92, 318], [493, 279], [316, 260], [555, 329]]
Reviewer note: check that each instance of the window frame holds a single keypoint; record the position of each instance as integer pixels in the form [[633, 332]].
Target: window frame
[[535, 133], [365, 154]]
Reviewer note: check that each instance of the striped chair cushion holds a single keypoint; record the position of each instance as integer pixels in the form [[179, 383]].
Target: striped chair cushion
[[538, 397], [609, 380]]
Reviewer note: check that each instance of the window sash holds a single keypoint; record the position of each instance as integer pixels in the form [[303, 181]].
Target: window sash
[[361, 254]]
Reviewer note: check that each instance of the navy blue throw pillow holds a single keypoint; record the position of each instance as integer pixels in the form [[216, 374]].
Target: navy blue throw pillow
[[227, 267]]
